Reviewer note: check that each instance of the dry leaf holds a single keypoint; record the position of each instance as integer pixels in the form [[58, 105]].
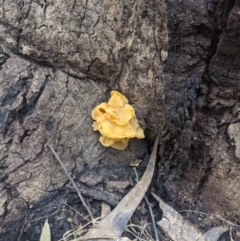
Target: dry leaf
[[213, 234], [46, 233], [179, 229]]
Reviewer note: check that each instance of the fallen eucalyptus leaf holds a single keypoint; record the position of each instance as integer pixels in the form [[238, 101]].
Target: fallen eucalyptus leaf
[[46, 233], [113, 225], [213, 234], [179, 229]]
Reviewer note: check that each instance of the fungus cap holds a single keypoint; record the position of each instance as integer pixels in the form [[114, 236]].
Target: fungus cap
[[116, 121]]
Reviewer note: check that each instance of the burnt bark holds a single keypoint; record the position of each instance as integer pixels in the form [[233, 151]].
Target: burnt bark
[[204, 170], [178, 64]]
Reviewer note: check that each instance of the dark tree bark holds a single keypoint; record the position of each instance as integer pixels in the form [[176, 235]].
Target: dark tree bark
[[176, 61], [205, 60]]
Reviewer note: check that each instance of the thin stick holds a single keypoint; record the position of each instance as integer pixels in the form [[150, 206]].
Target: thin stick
[[20, 233], [81, 229], [134, 232], [73, 183], [45, 216], [97, 238], [84, 217], [231, 237], [149, 207]]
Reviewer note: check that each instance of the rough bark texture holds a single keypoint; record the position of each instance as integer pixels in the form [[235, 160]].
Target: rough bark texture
[[176, 61], [207, 79]]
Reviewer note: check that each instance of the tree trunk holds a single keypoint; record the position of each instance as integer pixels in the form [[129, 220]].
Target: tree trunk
[[178, 64]]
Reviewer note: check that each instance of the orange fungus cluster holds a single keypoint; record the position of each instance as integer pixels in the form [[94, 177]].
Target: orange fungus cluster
[[116, 121]]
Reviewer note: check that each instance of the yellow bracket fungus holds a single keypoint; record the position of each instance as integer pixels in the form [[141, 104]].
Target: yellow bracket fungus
[[116, 121]]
